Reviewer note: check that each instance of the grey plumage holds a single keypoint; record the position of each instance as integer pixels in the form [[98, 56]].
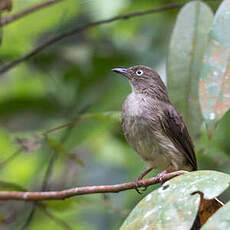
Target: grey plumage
[[152, 126]]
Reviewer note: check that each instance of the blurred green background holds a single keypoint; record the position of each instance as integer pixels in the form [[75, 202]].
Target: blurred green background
[[68, 79]]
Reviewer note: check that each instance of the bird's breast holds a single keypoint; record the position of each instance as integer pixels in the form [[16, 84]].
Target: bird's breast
[[134, 105], [137, 128]]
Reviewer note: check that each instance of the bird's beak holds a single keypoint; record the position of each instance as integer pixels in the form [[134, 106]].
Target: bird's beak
[[122, 71]]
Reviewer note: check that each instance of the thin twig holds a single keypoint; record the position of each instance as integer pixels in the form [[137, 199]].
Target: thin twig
[[44, 185], [67, 125], [64, 194], [11, 158], [77, 30], [29, 218], [8, 19], [51, 163], [57, 220], [47, 175], [49, 169]]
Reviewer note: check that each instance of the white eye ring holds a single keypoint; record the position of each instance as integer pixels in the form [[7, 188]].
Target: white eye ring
[[139, 72]]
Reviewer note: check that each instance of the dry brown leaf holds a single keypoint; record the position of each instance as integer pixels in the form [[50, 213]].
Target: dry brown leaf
[[5, 5], [206, 209]]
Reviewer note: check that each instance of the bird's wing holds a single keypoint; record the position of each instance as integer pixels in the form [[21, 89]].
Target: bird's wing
[[176, 130]]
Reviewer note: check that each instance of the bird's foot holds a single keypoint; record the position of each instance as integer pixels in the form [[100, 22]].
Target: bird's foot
[[160, 176], [140, 177], [140, 191], [136, 182]]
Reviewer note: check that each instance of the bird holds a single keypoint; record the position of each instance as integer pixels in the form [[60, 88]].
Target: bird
[[152, 126]]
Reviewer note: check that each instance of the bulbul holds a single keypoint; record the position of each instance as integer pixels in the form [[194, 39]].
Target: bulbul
[[152, 126]]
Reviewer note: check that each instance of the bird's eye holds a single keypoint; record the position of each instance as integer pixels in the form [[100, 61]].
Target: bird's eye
[[139, 72]]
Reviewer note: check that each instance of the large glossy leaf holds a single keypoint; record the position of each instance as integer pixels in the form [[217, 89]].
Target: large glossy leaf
[[215, 74], [176, 203], [187, 45], [220, 220]]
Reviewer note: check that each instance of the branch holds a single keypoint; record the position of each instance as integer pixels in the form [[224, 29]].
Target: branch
[[77, 30], [8, 19], [60, 195]]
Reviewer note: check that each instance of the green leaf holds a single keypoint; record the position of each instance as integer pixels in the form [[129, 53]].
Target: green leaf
[[7, 186], [220, 220], [215, 74], [187, 45], [175, 204]]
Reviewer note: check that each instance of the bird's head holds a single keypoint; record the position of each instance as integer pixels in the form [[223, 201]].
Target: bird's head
[[145, 80]]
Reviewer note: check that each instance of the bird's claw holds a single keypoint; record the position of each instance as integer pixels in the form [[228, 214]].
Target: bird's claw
[[160, 177], [161, 180], [137, 187]]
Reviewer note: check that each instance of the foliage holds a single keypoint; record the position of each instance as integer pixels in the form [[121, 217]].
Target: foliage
[[214, 82], [220, 220], [186, 57], [176, 203], [187, 45]]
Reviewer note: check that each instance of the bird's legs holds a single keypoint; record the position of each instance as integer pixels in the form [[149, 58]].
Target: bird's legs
[[140, 178], [160, 175]]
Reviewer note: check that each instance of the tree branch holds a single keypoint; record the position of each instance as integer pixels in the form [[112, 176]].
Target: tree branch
[[60, 195], [77, 30], [8, 19]]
